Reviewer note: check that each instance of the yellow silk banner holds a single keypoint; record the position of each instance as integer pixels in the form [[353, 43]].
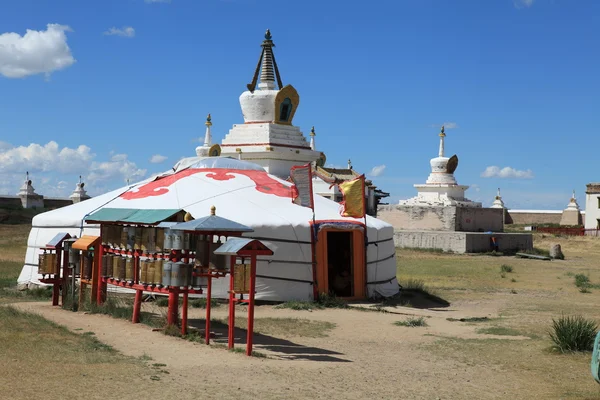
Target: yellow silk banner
[[354, 197]]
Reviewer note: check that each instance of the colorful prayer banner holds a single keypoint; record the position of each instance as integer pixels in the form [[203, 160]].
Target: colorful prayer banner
[[353, 204], [302, 178]]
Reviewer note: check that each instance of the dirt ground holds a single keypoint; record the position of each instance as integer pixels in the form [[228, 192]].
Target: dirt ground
[[365, 355]]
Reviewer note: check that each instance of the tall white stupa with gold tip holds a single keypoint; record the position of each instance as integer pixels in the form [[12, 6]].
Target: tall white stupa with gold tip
[[267, 136], [441, 188]]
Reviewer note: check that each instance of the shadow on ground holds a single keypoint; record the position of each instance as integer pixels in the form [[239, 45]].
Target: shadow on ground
[[416, 299], [283, 348]]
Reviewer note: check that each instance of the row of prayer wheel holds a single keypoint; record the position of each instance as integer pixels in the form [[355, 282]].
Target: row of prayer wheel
[[151, 272], [150, 240]]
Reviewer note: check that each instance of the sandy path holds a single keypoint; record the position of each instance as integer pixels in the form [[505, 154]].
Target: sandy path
[[365, 356]]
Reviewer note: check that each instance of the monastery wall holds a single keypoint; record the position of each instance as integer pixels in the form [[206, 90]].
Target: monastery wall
[[10, 202], [533, 217], [454, 219], [463, 242]]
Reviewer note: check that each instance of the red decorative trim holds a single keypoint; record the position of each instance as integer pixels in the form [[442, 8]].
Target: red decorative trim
[[267, 144], [264, 183]]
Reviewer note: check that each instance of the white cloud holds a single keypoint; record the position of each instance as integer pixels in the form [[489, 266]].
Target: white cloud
[[157, 158], [54, 169], [475, 187], [377, 170], [126, 31], [36, 52], [44, 158], [523, 3], [506, 172], [118, 168]]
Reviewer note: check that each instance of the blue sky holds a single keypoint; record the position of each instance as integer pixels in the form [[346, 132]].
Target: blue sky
[[518, 80]]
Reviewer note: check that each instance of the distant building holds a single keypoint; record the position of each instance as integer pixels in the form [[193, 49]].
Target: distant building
[[592, 206]]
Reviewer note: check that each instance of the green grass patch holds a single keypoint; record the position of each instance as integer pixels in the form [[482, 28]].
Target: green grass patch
[[412, 322], [299, 305], [499, 330]]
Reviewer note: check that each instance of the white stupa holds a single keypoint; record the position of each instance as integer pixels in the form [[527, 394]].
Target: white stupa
[[79, 194], [441, 188], [572, 214], [267, 136], [498, 203], [29, 198]]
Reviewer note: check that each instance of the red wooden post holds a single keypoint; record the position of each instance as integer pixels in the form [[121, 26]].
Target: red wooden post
[[137, 306], [208, 300], [173, 306], [56, 284], [101, 294], [184, 311], [250, 332], [231, 306], [205, 264]]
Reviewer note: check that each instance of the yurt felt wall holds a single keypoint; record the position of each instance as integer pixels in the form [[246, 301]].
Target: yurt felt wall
[[242, 192]]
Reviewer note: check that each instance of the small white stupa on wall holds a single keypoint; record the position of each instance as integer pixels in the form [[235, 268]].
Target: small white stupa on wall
[[441, 188], [572, 214], [267, 136]]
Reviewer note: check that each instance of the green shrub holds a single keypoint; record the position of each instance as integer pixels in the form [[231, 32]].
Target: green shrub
[[331, 301], [506, 268], [573, 333], [412, 322], [582, 280]]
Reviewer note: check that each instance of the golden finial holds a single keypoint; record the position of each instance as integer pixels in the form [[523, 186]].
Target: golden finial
[[208, 119], [188, 217], [442, 134], [213, 210], [312, 131]]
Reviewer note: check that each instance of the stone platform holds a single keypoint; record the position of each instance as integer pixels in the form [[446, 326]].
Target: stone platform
[[463, 242]]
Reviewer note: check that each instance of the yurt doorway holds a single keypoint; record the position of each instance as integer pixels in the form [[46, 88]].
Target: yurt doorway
[[340, 263]]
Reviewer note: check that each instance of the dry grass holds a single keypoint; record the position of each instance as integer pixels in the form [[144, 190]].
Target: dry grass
[[36, 352], [286, 327], [544, 290]]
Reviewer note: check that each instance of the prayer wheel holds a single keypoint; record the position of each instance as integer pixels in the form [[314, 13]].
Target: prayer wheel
[[177, 238], [129, 269], [130, 237], [143, 271], [115, 267], [87, 265], [168, 239], [176, 278], [160, 240], [42, 266], [137, 244], [123, 237], [104, 234], [105, 260], [121, 269], [151, 267], [199, 281], [158, 271], [166, 273]]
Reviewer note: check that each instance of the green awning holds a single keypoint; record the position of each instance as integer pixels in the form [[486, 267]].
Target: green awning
[[131, 216]]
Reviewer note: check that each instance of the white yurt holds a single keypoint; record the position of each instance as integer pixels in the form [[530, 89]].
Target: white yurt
[[245, 193]]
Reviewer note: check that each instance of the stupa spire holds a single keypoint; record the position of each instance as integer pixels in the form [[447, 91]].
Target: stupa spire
[[207, 135], [313, 146], [267, 66], [442, 136]]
